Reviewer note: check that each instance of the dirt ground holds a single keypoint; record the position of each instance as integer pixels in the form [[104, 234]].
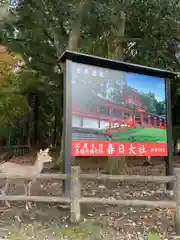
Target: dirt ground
[[51, 221]]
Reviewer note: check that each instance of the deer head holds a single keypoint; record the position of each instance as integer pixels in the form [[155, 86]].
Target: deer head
[[43, 156]]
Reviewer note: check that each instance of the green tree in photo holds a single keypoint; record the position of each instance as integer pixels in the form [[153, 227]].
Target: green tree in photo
[[153, 106], [161, 108], [149, 101]]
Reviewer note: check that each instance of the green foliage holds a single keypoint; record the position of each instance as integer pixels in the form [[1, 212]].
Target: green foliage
[[12, 107], [153, 236], [13, 104], [148, 40], [149, 101], [4, 10], [153, 105]]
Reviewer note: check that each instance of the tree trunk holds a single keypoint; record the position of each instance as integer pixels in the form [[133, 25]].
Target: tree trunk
[[118, 165], [73, 45], [28, 126], [55, 127], [148, 161], [35, 119]]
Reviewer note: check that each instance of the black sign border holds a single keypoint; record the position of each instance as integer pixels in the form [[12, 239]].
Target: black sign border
[[67, 58]]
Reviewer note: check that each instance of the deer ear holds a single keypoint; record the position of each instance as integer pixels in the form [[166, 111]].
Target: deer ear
[[46, 150], [40, 151]]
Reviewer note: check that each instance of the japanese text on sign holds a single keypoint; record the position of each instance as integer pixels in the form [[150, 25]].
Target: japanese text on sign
[[92, 148]]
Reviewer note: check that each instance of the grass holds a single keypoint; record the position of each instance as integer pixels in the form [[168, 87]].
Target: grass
[[153, 236], [89, 230], [35, 231], [141, 134]]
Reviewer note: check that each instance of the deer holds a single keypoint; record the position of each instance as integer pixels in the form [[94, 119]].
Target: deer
[[10, 169]]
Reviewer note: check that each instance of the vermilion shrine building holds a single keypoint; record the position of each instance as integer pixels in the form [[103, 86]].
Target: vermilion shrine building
[[101, 113]]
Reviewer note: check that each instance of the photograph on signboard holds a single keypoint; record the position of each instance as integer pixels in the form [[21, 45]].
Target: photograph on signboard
[[117, 113]]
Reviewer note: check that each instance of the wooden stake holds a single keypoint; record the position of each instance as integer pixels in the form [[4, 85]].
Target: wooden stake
[[177, 199], [75, 194]]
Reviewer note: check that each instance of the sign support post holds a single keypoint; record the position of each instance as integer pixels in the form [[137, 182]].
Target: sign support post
[[67, 125], [169, 159]]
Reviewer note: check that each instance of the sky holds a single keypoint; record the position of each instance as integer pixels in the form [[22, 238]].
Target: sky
[[140, 82], [147, 84]]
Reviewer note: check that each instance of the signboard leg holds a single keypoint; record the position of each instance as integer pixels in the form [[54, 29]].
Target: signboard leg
[[66, 183], [169, 159], [67, 124], [169, 170]]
